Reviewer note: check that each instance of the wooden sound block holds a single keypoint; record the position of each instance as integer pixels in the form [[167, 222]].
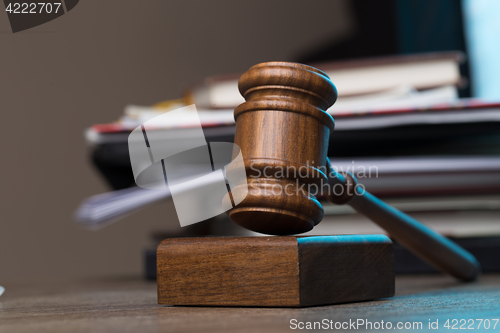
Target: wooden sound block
[[274, 271]]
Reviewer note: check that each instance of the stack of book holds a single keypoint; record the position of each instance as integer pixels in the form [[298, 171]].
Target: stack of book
[[399, 126]]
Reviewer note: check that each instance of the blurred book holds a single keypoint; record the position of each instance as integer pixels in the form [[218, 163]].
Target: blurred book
[[465, 128], [381, 78], [221, 122], [397, 177], [453, 216], [424, 175]]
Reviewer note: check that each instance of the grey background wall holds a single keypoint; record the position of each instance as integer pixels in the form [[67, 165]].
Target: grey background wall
[[83, 68]]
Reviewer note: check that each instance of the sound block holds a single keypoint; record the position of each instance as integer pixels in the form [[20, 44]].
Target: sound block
[[274, 271]]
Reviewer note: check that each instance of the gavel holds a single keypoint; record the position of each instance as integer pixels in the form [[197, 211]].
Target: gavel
[[283, 132]]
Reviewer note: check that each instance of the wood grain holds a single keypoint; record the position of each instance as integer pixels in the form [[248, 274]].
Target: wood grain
[[275, 271], [125, 305], [252, 271]]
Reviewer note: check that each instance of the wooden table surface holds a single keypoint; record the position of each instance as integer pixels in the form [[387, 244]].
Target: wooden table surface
[[128, 305]]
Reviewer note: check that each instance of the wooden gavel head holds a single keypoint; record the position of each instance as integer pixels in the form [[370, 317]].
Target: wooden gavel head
[[283, 132]]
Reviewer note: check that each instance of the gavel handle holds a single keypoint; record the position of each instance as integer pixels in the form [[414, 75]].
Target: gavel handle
[[440, 252]]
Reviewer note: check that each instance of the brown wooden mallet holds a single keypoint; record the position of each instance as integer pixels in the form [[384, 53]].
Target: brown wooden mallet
[[283, 132]]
